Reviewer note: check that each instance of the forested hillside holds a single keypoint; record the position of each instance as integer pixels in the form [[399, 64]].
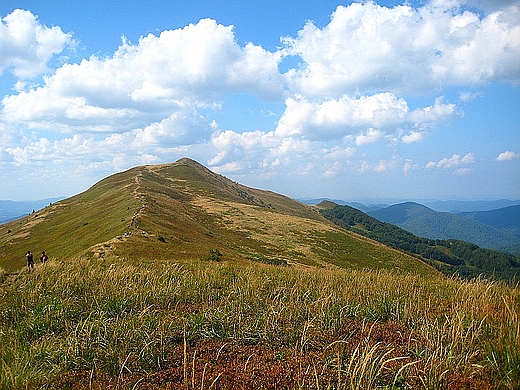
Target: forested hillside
[[506, 218], [450, 256], [492, 230]]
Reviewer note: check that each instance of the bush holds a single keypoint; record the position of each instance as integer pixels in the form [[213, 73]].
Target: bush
[[215, 255]]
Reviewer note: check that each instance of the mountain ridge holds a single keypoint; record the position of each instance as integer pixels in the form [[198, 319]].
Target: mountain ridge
[[184, 210]]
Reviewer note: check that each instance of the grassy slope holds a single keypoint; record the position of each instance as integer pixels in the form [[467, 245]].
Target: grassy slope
[[182, 211], [67, 228], [98, 324]]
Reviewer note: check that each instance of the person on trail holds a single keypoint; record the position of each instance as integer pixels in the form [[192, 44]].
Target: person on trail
[[30, 261], [44, 257]]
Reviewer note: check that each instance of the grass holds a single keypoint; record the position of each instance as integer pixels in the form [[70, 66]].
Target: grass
[[203, 324], [71, 226]]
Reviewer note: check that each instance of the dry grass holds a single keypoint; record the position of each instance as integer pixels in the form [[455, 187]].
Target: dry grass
[[201, 325], [182, 211]]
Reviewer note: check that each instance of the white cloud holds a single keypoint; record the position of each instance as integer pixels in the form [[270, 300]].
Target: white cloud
[[183, 127], [141, 84], [367, 47], [337, 153], [152, 101], [508, 156], [67, 150], [414, 136], [468, 96], [337, 118], [369, 137], [408, 164], [380, 167], [453, 161], [463, 171], [26, 45]]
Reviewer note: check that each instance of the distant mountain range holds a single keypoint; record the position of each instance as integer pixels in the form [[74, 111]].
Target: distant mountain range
[[459, 206], [494, 229], [11, 210], [450, 256], [451, 206]]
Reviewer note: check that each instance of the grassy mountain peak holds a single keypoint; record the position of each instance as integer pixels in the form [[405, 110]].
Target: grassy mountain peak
[[183, 210]]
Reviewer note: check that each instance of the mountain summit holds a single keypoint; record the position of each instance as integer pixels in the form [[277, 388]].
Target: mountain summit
[[183, 210]]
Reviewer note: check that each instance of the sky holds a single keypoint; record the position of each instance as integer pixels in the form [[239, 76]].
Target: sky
[[311, 99]]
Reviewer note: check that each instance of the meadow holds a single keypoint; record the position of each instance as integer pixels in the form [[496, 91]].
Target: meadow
[[203, 324]]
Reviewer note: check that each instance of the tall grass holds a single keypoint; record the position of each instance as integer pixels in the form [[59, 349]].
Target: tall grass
[[111, 321]]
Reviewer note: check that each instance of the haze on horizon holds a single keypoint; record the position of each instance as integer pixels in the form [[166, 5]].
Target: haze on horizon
[[351, 101]]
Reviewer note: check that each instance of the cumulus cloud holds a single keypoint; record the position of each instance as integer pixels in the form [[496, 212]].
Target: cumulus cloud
[[508, 156], [414, 136], [154, 99], [67, 150], [367, 47], [26, 45], [184, 127], [366, 117], [140, 84], [154, 143], [369, 137]]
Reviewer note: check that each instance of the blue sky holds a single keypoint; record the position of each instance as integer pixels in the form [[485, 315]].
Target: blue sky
[[352, 101]]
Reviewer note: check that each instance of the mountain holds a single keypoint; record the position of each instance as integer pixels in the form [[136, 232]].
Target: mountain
[[11, 210], [425, 222], [451, 256], [185, 211], [459, 206], [506, 218], [357, 205]]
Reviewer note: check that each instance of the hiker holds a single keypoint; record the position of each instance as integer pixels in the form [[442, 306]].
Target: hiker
[[44, 257], [30, 261]]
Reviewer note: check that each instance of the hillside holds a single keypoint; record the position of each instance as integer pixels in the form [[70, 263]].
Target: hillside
[[506, 218], [158, 280], [450, 256], [425, 222], [461, 206], [184, 211]]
